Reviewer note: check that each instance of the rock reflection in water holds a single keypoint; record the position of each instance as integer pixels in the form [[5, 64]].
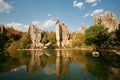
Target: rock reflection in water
[[35, 62], [63, 59], [60, 65]]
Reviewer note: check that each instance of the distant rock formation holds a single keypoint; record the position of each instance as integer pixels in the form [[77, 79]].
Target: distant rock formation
[[83, 29], [2, 29], [108, 19], [62, 34], [35, 36]]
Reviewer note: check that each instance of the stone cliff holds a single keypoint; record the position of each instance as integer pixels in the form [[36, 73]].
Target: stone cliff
[[62, 34], [35, 36], [108, 19]]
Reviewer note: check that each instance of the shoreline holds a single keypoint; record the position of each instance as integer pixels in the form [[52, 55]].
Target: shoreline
[[115, 51], [57, 49]]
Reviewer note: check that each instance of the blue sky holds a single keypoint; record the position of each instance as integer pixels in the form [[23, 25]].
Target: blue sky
[[43, 13]]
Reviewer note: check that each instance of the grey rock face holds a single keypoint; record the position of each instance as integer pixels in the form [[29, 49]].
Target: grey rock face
[[35, 36], [108, 19], [2, 29], [62, 34]]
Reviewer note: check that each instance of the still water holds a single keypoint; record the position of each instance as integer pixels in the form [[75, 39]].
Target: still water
[[59, 65]]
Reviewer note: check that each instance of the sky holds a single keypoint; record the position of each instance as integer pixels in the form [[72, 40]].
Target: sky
[[43, 13]]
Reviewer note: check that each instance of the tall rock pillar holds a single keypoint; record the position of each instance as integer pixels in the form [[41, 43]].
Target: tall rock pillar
[[58, 33]]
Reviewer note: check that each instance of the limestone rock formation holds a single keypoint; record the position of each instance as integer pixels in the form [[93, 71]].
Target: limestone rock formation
[[35, 36], [83, 29], [2, 29], [108, 19], [62, 34], [58, 33]]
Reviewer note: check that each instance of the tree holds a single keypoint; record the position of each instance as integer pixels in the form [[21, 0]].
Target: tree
[[78, 40], [44, 37], [24, 41], [52, 37], [117, 34], [48, 37], [97, 35]]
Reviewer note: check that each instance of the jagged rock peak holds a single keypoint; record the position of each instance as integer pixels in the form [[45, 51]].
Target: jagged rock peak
[[57, 20], [108, 19]]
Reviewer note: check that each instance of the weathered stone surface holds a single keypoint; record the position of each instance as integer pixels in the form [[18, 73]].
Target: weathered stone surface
[[58, 33], [2, 29], [65, 34], [83, 29], [62, 34], [108, 19], [35, 36]]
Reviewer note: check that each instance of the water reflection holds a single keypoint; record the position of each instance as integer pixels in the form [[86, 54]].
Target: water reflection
[[63, 60], [35, 62], [59, 65]]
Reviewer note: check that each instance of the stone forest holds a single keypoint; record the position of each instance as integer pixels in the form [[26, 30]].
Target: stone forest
[[62, 54], [103, 34]]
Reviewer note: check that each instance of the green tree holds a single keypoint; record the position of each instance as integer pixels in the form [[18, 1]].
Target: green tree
[[78, 40], [48, 37], [97, 35], [24, 41], [44, 39], [52, 37]]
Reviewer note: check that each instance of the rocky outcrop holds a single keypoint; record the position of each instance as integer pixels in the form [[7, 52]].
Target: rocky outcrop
[[108, 19], [83, 29], [62, 34], [2, 29], [35, 36]]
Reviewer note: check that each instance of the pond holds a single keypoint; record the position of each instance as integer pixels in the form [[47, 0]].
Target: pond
[[59, 65]]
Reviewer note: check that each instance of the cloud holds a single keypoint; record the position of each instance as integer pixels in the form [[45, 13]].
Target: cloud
[[35, 22], [94, 4], [49, 15], [18, 26], [96, 12], [90, 1], [87, 14], [4, 6], [78, 4], [48, 23]]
